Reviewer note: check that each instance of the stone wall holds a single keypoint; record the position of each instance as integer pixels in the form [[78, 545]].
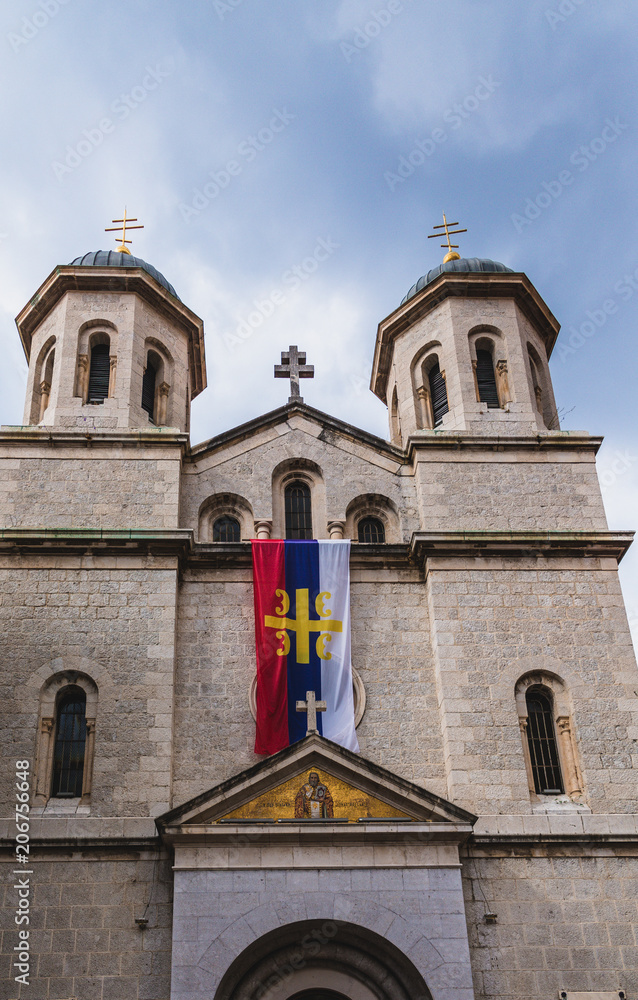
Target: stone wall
[[112, 619], [567, 919], [84, 941]]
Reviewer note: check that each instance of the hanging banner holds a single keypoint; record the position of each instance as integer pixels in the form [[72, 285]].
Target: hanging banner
[[302, 631]]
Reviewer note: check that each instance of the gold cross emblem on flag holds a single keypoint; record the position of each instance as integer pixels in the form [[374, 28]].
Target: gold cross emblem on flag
[[303, 624]]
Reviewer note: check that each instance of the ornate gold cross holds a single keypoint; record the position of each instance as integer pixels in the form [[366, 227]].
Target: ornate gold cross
[[123, 226], [451, 247], [303, 625], [311, 706]]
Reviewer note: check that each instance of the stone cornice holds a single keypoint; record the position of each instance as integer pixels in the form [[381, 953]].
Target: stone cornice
[[98, 541], [459, 441], [136, 280], [21, 435], [515, 286], [594, 544]]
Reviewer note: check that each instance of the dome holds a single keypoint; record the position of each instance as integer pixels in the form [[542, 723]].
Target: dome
[[113, 258], [462, 266]]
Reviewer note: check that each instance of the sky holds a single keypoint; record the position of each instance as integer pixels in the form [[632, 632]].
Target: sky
[[307, 149]]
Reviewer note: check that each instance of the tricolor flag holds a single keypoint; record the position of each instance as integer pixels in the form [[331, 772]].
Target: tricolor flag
[[302, 628]]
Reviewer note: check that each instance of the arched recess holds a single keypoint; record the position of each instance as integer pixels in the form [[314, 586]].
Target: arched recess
[[95, 333], [343, 958], [395, 419], [554, 691], [487, 344], [422, 363], [157, 379], [307, 472], [51, 692], [225, 504], [541, 388], [42, 381], [373, 505]]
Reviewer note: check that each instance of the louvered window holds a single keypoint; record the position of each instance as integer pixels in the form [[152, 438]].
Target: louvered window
[[486, 379], [70, 742], [371, 529], [438, 394], [298, 511], [99, 373], [148, 389], [226, 529], [543, 750]]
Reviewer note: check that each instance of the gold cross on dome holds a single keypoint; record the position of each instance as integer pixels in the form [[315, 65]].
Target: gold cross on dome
[[311, 706], [124, 226], [451, 247]]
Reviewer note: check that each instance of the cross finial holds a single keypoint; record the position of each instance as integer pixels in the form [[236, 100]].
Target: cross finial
[[311, 706], [451, 247], [293, 366], [124, 225]]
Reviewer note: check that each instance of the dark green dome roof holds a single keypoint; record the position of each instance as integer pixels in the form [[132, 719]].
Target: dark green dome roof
[[113, 258], [463, 266]]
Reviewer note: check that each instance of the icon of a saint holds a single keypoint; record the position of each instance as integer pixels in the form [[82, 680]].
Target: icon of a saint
[[313, 800]]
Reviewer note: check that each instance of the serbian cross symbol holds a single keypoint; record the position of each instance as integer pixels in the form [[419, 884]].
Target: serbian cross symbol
[[311, 706], [293, 366]]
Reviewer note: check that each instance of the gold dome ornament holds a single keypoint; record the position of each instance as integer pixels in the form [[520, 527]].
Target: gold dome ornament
[[123, 226], [451, 247]]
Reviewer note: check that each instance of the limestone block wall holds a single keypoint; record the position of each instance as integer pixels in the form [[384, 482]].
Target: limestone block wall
[[114, 620], [74, 481], [214, 729], [84, 941], [494, 621], [567, 919], [346, 469], [522, 489]]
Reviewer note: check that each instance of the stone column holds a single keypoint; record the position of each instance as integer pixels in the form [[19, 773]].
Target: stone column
[[45, 392], [528, 762], [502, 383], [83, 377], [336, 529], [263, 528], [112, 369], [162, 403], [425, 407], [571, 775], [43, 763], [89, 750]]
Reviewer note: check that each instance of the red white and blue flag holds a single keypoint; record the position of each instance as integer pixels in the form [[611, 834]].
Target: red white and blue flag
[[302, 629]]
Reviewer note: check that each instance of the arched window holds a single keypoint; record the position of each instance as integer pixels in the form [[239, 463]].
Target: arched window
[[438, 394], [541, 738], [486, 379], [226, 529], [70, 743], [99, 373], [371, 529], [298, 511], [148, 386]]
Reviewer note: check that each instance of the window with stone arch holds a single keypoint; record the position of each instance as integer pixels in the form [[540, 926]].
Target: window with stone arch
[[156, 382], [371, 530], [372, 518], [298, 501], [298, 510], [225, 517], [547, 732], [489, 368], [431, 399], [543, 396], [96, 361], [42, 381], [66, 738]]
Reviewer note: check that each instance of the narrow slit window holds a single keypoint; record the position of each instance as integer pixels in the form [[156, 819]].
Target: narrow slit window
[[543, 750], [486, 379], [226, 529], [70, 745], [438, 394], [371, 530], [99, 373], [148, 388], [298, 511]]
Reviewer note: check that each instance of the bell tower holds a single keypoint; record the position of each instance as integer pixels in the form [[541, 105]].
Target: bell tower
[[467, 350], [110, 345]]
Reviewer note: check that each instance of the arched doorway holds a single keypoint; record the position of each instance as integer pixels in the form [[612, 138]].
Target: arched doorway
[[322, 960]]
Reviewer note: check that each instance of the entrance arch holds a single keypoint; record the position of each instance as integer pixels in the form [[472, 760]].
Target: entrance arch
[[314, 959]]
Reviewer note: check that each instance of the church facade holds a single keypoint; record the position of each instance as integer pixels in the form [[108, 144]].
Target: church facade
[[484, 842]]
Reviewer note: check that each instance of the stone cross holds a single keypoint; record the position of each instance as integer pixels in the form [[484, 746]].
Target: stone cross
[[293, 366], [311, 706]]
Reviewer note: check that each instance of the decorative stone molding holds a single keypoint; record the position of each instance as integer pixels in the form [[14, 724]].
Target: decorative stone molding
[[263, 528], [336, 529]]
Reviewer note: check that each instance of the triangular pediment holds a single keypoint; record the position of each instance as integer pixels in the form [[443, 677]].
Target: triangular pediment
[[282, 790]]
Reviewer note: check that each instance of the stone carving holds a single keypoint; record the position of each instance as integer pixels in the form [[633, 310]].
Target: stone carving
[[313, 800]]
